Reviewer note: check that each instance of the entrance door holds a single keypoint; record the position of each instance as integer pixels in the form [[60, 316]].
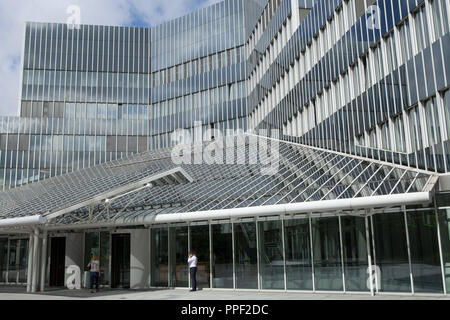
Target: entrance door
[[13, 260], [23, 260], [3, 259], [120, 261], [57, 262]]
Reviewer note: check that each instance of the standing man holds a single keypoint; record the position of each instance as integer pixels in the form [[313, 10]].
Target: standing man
[[94, 266], [192, 262]]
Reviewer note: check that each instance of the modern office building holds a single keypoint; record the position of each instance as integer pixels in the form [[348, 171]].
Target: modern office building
[[349, 192]]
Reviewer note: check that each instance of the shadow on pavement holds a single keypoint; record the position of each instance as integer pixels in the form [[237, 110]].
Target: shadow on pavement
[[64, 292]]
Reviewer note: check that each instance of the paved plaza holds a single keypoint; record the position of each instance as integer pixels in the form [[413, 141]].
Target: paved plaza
[[19, 293]]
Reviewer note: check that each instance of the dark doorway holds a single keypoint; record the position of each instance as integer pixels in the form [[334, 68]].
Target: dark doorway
[[120, 261], [57, 262]]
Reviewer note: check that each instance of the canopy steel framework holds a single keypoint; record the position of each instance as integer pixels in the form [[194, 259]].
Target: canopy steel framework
[[137, 189]]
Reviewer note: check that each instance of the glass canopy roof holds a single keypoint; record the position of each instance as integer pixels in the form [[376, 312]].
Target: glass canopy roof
[[151, 183]]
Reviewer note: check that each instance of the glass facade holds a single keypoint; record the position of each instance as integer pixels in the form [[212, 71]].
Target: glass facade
[[14, 260], [298, 254], [424, 246], [98, 243], [354, 243], [287, 254], [3, 258], [200, 245], [352, 70], [222, 256], [327, 74], [23, 261], [101, 93], [408, 249], [327, 254], [444, 228], [245, 255]]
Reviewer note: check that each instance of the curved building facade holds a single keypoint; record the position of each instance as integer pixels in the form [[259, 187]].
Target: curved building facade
[[297, 145]]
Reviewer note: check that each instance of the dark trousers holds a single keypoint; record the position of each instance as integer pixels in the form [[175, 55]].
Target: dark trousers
[[193, 278], [94, 278]]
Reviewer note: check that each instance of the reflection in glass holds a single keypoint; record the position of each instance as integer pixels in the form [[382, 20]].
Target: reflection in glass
[[222, 256], [271, 255], [160, 259], [447, 111], [298, 254], [200, 245], [424, 248], [246, 255], [391, 252], [440, 17], [3, 259], [355, 253], [422, 33], [98, 243], [91, 246], [13, 261], [178, 255], [23, 260], [433, 126], [104, 257], [327, 256]]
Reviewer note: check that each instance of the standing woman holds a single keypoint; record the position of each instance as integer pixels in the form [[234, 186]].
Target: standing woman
[[192, 262], [94, 266]]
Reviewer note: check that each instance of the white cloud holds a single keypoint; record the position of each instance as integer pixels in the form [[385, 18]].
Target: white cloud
[[14, 13]]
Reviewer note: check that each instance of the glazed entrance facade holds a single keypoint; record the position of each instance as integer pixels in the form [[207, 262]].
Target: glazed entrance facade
[[409, 251], [13, 260]]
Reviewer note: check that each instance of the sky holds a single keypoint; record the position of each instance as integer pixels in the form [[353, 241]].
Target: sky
[[14, 13]]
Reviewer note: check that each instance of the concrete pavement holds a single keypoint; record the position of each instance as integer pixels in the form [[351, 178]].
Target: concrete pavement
[[19, 293]]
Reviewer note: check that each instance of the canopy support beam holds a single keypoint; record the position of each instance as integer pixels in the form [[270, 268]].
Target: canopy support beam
[[361, 203]]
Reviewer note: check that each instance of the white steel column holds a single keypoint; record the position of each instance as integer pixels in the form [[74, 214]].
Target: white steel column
[[312, 252], [169, 260], [342, 254], [7, 261], [109, 256], [43, 260], [374, 252], [150, 260], [34, 281], [284, 253], [189, 249], [258, 258], [210, 256], [409, 251], [234, 262], [369, 256], [30, 261]]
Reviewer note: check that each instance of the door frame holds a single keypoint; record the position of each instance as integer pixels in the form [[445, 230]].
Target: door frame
[[49, 250], [112, 235]]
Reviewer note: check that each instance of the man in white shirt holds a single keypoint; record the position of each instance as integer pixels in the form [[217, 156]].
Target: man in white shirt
[[94, 266], [192, 262]]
